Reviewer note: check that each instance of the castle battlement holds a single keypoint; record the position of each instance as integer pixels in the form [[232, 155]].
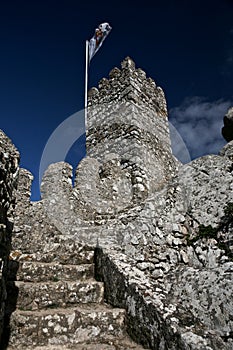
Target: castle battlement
[[158, 234], [129, 84]]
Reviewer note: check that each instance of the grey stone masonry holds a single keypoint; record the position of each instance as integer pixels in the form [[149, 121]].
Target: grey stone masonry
[[129, 158], [127, 115], [156, 232], [129, 84], [9, 166], [170, 222], [54, 301]]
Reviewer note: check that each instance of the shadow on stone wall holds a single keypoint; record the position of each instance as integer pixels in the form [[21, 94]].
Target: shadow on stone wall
[[11, 302], [9, 168]]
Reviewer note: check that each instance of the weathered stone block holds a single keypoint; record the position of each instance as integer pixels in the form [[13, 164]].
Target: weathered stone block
[[33, 271], [34, 296], [72, 326]]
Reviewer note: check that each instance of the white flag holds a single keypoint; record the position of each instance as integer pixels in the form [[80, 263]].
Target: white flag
[[97, 40]]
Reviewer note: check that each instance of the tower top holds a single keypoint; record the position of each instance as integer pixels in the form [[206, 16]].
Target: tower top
[[129, 84]]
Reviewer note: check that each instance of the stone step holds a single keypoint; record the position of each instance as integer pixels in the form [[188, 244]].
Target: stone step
[[62, 248], [32, 271], [35, 296], [116, 344], [84, 324], [56, 253]]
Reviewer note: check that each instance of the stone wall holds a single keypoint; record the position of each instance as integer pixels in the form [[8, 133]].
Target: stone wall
[[31, 218], [163, 229], [9, 166], [172, 261], [129, 84], [129, 159], [153, 319]]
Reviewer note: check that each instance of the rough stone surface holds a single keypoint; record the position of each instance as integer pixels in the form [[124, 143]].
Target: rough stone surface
[[163, 231], [227, 130], [9, 167], [53, 299], [129, 84], [157, 319], [227, 150], [74, 326], [117, 344], [41, 295], [32, 271], [129, 159]]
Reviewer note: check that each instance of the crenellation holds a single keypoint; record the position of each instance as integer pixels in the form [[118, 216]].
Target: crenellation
[[114, 74], [129, 84], [93, 92], [128, 65], [141, 74]]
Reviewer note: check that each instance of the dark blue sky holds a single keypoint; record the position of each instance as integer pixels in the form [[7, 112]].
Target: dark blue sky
[[185, 46]]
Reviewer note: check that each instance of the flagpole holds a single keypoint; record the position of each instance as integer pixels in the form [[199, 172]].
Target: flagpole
[[86, 82]]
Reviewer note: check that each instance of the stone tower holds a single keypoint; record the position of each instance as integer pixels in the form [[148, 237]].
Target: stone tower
[[128, 142], [129, 154], [127, 115]]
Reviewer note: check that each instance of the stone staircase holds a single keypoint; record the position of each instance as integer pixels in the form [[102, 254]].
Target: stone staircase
[[56, 305]]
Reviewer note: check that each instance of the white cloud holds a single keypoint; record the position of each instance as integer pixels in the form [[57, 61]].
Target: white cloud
[[199, 123]]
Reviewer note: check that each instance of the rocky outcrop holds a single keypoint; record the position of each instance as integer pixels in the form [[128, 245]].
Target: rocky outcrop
[[156, 316], [180, 274], [227, 130], [9, 166]]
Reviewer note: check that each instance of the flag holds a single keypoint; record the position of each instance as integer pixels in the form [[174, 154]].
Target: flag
[[97, 40]]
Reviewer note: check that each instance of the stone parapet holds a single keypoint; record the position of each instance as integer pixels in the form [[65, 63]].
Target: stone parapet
[[9, 166], [129, 84], [152, 317]]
